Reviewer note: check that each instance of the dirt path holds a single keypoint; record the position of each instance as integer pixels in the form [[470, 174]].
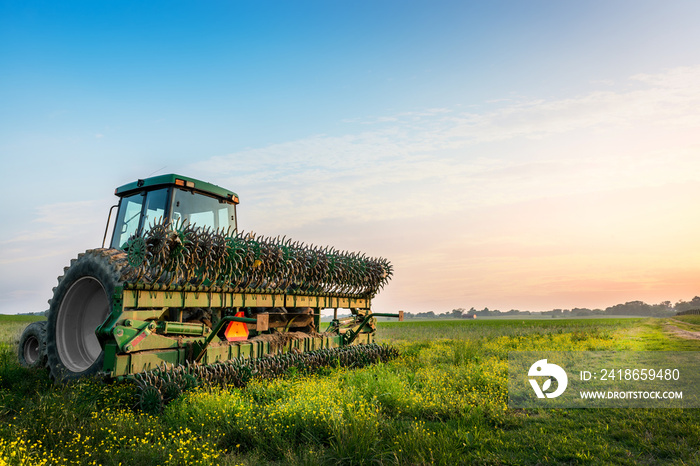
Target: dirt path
[[688, 335]]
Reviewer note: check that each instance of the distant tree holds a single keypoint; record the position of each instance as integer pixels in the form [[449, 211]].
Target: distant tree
[[687, 305], [631, 308], [640, 308], [458, 313], [663, 309]]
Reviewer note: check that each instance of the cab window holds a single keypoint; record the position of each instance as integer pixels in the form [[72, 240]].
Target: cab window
[[155, 207], [202, 211], [128, 218]]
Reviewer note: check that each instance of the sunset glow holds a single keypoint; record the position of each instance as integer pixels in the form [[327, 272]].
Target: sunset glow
[[498, 157]]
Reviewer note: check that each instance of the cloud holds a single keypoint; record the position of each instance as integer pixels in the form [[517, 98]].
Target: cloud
[[55, 228], [412, 164], [507, 198], [461, 200]]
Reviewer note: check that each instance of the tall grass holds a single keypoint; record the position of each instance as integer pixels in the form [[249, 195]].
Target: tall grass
[[444, 401]]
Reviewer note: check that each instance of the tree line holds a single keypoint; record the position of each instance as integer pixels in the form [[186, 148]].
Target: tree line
[[632, 308]]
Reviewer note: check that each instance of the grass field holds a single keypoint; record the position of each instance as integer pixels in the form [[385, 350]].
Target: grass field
[[444, 401]]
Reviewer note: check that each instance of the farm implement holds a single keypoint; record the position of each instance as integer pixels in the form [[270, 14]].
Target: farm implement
[[181, 296]]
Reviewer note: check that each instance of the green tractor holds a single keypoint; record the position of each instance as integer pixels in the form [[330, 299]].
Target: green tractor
[[180, 286]]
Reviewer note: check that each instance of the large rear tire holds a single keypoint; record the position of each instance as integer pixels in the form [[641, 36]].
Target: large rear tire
[[82, 301], [32, 345]]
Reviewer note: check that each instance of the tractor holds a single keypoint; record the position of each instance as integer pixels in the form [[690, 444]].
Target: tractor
[[179, 285]]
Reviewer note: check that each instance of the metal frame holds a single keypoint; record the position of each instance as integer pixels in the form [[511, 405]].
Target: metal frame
[[140, 335]]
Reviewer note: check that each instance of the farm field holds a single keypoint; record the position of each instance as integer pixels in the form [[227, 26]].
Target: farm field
[[443, 401]]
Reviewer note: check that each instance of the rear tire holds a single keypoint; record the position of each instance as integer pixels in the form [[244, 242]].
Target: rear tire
[[32, 345], [82, 301]]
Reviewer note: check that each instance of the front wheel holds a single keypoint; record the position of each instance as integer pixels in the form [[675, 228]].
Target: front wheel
[[32, 345]]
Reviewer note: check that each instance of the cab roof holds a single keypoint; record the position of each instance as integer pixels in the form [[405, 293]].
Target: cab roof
[[183, 182]]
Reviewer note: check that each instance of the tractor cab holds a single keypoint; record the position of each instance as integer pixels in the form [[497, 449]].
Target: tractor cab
[[171, 199]]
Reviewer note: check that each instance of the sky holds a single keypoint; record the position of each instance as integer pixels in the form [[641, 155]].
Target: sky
[[502, 154]]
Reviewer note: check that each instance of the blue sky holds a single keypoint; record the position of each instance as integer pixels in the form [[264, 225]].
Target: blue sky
[[502, 154]]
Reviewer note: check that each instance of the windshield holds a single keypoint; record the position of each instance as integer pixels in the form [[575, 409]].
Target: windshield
[[202, 211], [154, 210], [140, 211]]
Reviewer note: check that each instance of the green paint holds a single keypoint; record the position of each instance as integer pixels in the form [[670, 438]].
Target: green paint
[[162, 181]]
